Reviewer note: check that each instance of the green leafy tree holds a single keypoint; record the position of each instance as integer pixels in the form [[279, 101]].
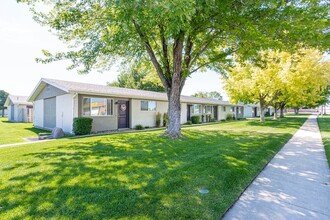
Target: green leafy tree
[[138, 77], [280, 78], [3, 97], [179, 37], [259, 81], [209, 95], [306, 84]]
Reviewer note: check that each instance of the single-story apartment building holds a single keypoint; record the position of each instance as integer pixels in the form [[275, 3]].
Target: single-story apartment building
[[251, 110], [19, 109], [57, 102]]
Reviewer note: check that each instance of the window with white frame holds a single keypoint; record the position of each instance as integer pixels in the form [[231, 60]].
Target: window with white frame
[[196, 109], [208, 109], [232, 109], [148, 105], [224, 108], [97, 106]]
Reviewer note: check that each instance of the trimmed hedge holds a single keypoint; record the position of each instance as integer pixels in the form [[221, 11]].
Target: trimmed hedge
[[195, 119], [139, 127], [82, 126]]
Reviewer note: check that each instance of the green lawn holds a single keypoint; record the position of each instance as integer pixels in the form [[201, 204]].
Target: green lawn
[[324, 124], [16, 132], [139, 175]]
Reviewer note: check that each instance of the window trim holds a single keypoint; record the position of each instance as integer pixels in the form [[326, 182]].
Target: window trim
[[90, 106], [200, 109], [211, 109], [148, 106]]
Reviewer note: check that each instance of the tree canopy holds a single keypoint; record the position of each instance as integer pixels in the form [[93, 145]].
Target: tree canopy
[[180, 37], [209, 95], [3, 98], [137, 76], [296, 80]]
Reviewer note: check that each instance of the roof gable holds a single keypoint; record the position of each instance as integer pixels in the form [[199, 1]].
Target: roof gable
[[17, 100]]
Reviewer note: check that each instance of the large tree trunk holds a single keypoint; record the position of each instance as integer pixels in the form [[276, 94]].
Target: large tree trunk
[[262, 108], [282, 112], [262, 114], [275, 112], [321, 110], [174, 114], [173, 93], [282, 105], [3, 112], [296, 111]]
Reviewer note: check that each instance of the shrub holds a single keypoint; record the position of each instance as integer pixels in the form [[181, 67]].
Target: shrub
[[165, 119], [82, 126], [139, 127], [158, 119], [229, 117], [267, 114], [212, 120], [188, 123], [195, 119]]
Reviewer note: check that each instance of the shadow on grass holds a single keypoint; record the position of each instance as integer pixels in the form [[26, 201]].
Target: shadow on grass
[[36, 130], [288, 122], [137, 176]]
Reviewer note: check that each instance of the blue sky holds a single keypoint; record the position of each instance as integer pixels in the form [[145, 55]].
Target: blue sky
[[21, 41]]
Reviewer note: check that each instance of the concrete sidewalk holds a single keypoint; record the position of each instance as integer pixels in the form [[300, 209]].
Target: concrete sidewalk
[[294, 185]]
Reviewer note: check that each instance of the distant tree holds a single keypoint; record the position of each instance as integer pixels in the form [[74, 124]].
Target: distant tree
[[3, 97], [307, 82], [209, 95], [136, 76], [179, 37], [296, 80], [258, 81]]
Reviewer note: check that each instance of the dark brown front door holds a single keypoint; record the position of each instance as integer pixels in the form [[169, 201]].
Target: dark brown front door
[[215, 112], [123, 114], [188, 112]]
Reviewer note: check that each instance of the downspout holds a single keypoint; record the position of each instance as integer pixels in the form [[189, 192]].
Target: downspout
[[73, 98]]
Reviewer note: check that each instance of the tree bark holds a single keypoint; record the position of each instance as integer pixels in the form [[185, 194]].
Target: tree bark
[[174, 92], [174, 114], [262, 114], [282, 112], [3, 112], [275, 111], [282, 105], [296, 111], [262, 108], [321, 110]]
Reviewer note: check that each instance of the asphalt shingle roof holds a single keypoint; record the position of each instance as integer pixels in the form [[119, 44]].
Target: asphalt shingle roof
[[94, 89]]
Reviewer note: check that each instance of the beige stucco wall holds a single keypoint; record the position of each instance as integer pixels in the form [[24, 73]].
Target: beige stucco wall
[[9, 112], [38, 118], [248, 112], [100, 123], [146, 118], [223, 114], [183, 113], [64, 112]]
